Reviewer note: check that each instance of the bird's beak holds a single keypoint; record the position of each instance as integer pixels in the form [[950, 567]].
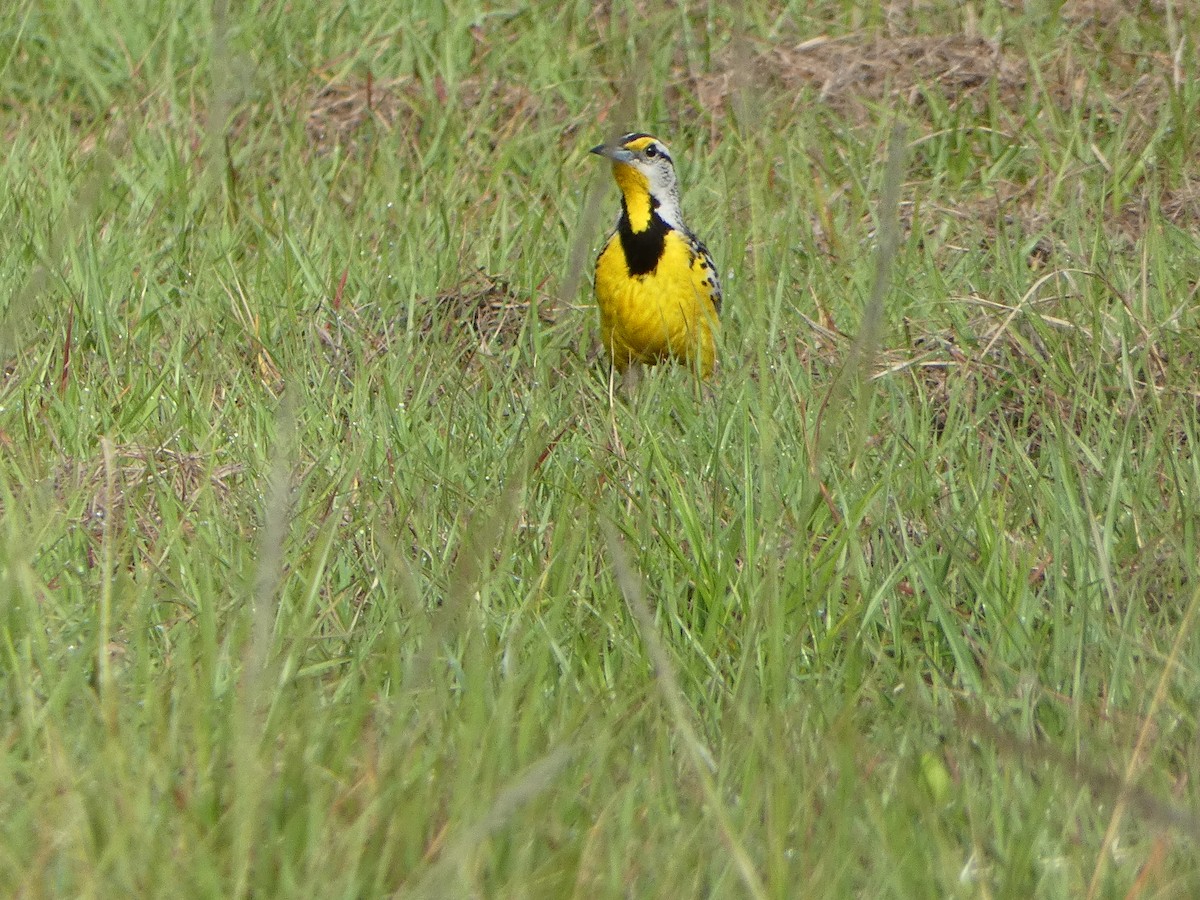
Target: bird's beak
[[616, 154]]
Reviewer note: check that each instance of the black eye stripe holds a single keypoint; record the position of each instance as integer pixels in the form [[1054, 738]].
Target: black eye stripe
[[656, 151]]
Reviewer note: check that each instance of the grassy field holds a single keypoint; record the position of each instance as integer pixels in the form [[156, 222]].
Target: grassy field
[[328, 569]]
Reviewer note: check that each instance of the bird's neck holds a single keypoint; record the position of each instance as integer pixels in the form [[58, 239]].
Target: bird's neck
[[642, 204], [638, 204]]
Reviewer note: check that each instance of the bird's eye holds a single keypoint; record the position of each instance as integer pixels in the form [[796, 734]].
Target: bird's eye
[[651, 151]]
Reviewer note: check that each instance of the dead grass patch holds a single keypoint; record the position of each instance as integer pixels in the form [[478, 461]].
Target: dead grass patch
[[1178, 206], [993, 372], [481, 317], [1000, 366], [484, 306], [337, 110], [853, 73], [850, 74], [140, 472], [994, 368], [460, 330], [1010, 213]]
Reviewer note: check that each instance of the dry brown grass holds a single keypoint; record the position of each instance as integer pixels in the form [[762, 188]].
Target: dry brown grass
[[482, 316], [851, 73], [1179, 205], [484, 306], [128, 488], [337, 110]]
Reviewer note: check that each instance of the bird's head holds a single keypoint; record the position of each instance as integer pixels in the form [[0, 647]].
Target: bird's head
[[643, 170]]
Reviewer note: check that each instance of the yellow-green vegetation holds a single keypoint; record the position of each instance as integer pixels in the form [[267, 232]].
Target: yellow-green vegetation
[[328, 569]]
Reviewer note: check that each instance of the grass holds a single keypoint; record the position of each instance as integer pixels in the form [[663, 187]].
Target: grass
[[328, 569]]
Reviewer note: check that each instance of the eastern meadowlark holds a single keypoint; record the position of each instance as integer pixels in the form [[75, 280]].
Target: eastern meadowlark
[[656, 283]]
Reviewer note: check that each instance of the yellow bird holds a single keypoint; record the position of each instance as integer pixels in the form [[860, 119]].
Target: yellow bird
[[656, 284]]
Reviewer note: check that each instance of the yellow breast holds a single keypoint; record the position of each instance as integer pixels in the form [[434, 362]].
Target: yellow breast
[[666, 313]]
